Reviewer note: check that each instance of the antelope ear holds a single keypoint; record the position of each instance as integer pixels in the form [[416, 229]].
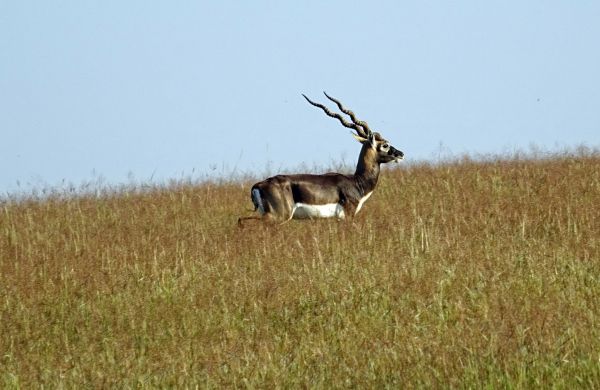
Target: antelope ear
[[360, 139], [372, 140]]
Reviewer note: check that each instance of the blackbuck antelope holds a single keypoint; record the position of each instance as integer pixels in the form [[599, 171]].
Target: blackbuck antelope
[[284, 197]]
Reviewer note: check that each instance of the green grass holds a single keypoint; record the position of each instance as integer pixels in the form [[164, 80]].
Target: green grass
[[469, 274]]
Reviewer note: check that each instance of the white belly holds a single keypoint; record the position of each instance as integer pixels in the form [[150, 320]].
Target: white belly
[[303, 210]]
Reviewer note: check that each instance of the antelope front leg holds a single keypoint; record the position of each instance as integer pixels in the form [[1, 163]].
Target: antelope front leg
[[350, 208]]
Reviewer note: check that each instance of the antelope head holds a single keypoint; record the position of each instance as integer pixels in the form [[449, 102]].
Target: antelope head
[[377, 148]]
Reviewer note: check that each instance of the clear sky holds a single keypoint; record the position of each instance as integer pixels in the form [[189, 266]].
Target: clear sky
[[147, 91]]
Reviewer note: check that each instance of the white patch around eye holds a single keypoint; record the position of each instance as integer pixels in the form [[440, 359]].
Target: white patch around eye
[[362, 201], [303, 211]]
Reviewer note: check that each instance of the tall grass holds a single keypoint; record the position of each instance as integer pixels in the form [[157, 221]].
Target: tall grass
[[463, 274]]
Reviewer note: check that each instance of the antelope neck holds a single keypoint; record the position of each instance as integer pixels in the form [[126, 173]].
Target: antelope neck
[[367, 170]]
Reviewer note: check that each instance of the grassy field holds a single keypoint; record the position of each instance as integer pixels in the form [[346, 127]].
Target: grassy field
[[459, 274]]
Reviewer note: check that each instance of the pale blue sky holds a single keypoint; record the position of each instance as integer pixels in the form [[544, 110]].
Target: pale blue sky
[[161, 90]]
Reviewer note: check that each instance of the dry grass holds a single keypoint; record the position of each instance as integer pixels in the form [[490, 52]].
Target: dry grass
[[463, 274]]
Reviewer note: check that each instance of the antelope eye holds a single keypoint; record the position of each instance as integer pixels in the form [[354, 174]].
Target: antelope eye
[[385, 146]]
